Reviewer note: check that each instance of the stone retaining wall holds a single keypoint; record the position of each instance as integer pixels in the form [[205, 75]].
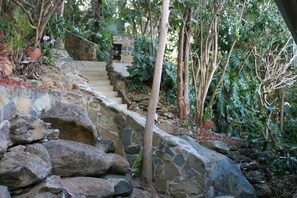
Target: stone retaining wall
[[80, 48]]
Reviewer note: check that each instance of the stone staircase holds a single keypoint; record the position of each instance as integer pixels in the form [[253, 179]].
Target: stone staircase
[[97, 75]]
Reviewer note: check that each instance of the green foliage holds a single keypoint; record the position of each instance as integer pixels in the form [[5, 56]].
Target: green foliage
[[56, 27], [207, 115], [137, 165], [142, 69], [48, 50], [284, 165], [237, 101], [17, 30], [290, 110]]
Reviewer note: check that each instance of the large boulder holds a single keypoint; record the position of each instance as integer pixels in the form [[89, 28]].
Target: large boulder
[[225, 176], [25, 130], [122, 186], [120, 165], [88, 187], [50, 187], [71, 158], [73, 122], [19, 168]]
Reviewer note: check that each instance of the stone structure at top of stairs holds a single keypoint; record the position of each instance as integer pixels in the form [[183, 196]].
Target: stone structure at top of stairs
[[182, 167]]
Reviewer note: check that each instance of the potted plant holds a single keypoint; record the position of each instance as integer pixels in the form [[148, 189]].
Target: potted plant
[[39, 13], [206, 119]]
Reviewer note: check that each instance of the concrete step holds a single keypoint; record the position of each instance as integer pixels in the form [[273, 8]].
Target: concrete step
[[90, 65], [104, 87], [93, 73], [124, 106], [100, 82], [94, 78], [110, 93], [115, 99], [83, 67], [96, 73], [94, 64]]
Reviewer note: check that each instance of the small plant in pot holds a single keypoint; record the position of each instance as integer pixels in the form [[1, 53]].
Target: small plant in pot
[[39, 12], [207, 119]]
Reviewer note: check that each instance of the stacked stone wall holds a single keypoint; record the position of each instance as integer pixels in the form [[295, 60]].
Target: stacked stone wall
[[80, 48], [127, 48]]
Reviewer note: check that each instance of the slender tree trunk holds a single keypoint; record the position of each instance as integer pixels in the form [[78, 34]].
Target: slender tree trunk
[[180, 67], [188, 34], [222, 76], [147, 172], [183, 66]]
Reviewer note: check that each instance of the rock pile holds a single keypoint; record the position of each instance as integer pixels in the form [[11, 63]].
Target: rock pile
[[35, 163], [253, 163]]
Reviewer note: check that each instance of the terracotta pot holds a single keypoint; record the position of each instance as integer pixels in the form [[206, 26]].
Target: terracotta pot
[[207, 124], [34, 54]]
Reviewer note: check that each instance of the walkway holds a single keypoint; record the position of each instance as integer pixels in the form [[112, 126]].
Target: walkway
[[97, 75]]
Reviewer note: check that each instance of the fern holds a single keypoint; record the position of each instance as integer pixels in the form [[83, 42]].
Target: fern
[[221, 102], [235, 59]]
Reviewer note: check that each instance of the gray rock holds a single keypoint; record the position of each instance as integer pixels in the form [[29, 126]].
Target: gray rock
[[79, 187], [19, 169], [225, 176], [263, 190], [51, 187], [76, 159], [255, 177], [25, 130], [122, 187], [4, 131], [228, 179], [126, 137], [41, 151], [107, 146], [295, 195], [139, 193], [216, 145], [119, 165], [133, 149], [4, 193], [73, 123], [52, 134]]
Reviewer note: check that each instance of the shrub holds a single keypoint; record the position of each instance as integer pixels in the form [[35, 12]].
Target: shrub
[[142, 69]]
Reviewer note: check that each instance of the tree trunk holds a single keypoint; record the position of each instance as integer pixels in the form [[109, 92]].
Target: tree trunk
[[188, 33], [180, 67], [60, 9], [98, 14], [183, 66], [147, 172]]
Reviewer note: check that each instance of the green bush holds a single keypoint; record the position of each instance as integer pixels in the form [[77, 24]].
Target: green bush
[[284, 165], [142, 69]]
